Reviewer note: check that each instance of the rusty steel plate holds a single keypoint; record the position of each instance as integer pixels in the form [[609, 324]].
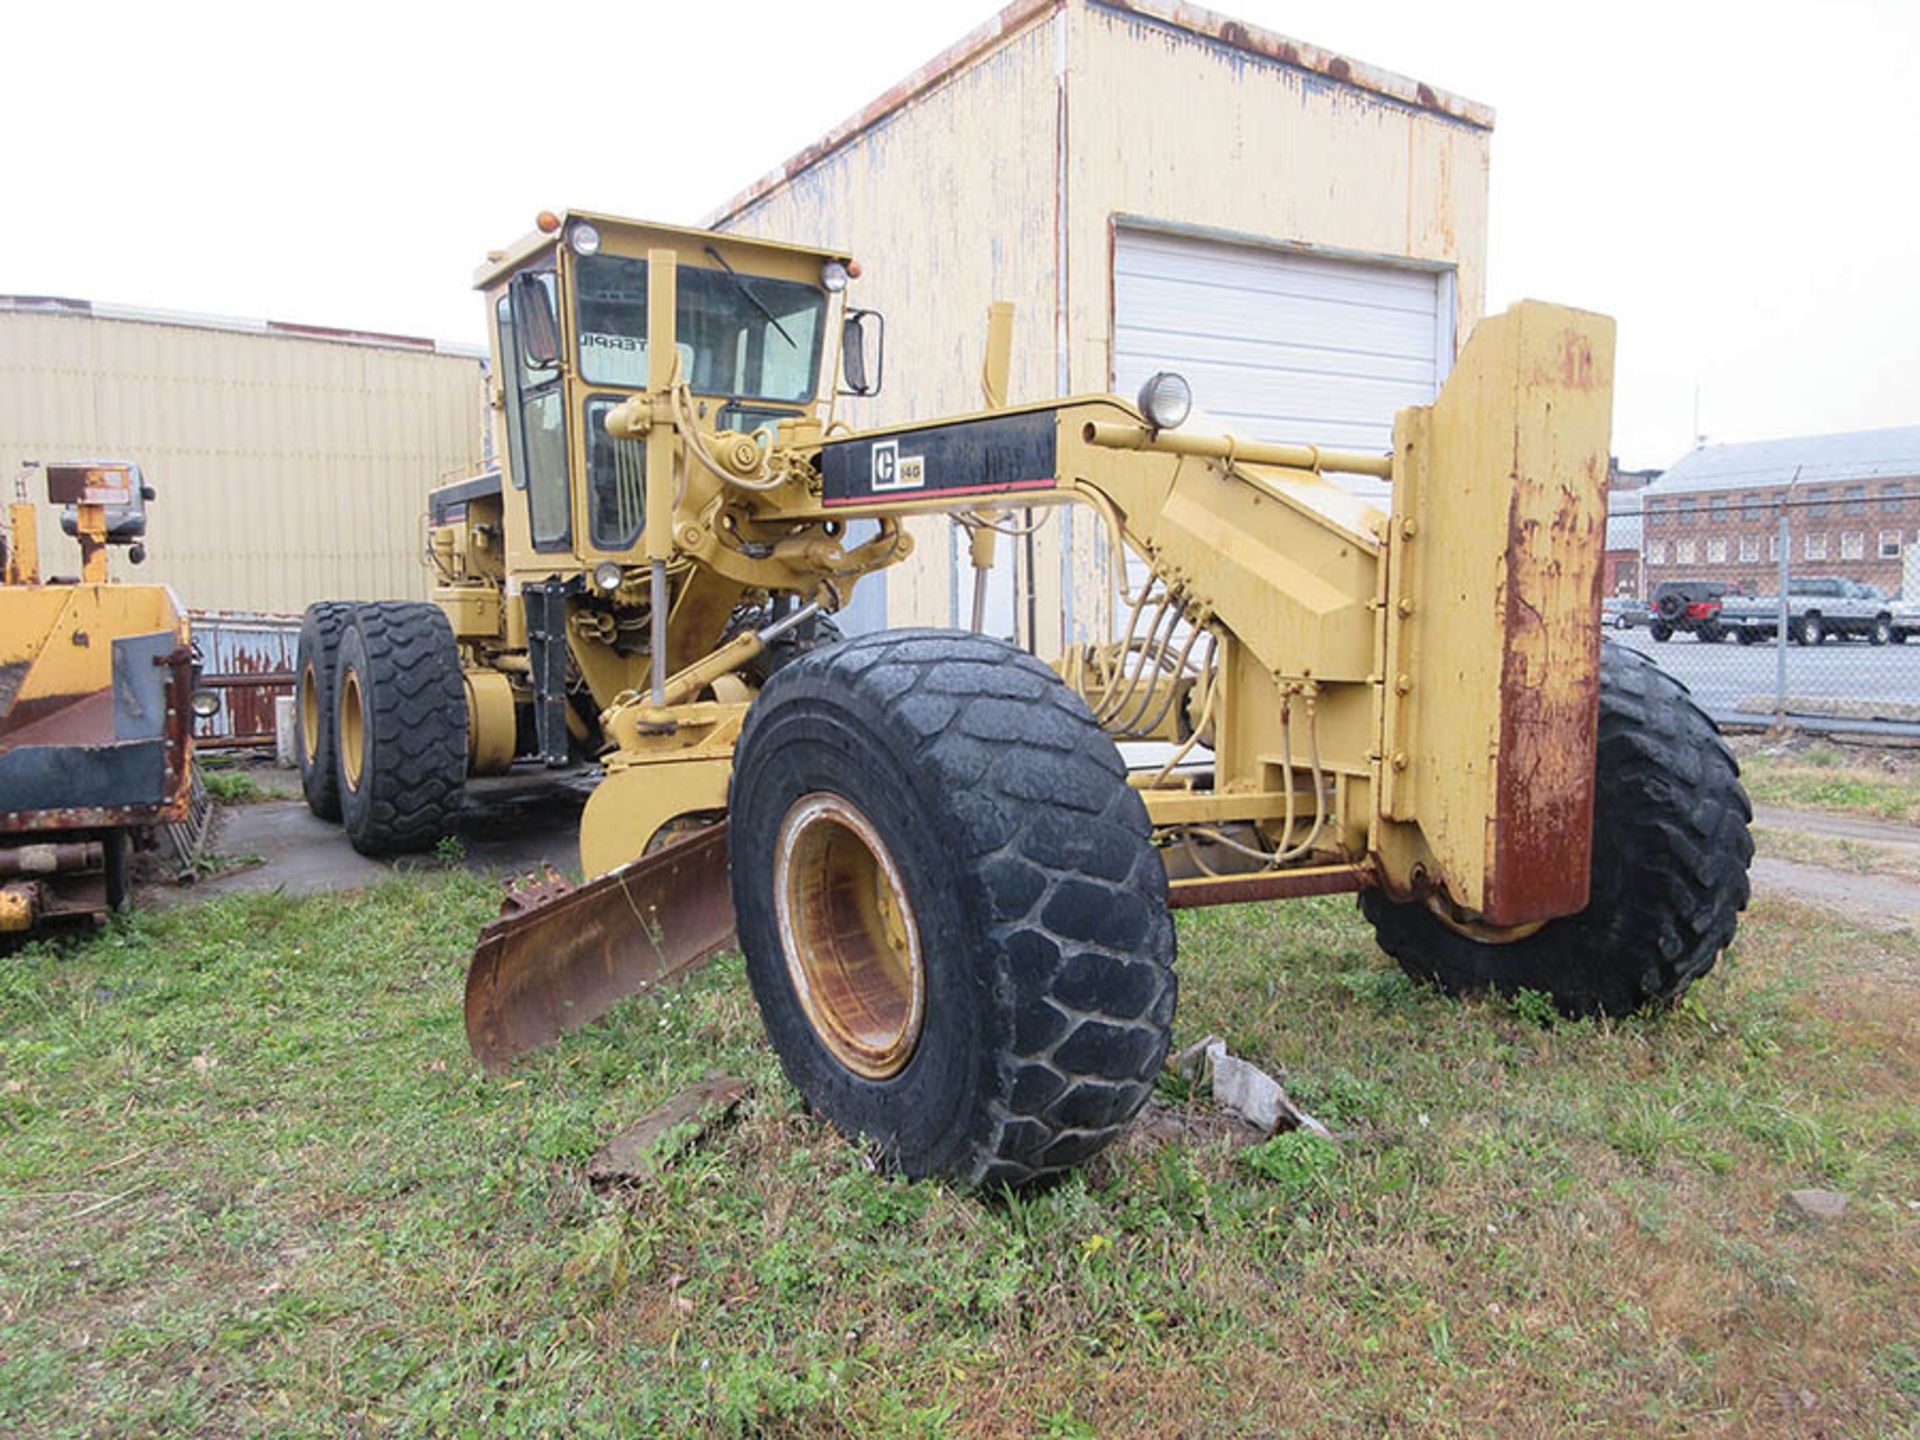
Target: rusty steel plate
[[550, 966]]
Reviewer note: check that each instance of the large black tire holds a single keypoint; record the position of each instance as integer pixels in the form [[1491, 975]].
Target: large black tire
[[1028, 874], [1880, 631], [1660, 631], [1669, 880], [401, 726], [313, 710], [1808, 630]]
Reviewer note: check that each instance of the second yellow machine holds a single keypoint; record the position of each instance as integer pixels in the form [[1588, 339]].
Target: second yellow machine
[[952, 892]]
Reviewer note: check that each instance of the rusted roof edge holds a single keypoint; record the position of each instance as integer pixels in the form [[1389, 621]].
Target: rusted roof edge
[[1194, 19], [1271, 45], [1012, 20], [187, 320]]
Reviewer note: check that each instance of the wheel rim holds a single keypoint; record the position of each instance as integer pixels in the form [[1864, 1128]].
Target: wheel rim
[[848, 931], [352, 731], [1475, 929], [309, 712]]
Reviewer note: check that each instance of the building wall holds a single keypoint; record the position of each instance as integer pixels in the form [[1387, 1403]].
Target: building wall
[[997, 172], [288, 469], [1731, 535], [1177, 126], [947, 203]]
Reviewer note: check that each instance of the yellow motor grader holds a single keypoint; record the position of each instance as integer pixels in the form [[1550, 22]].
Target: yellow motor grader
[[952, 891]]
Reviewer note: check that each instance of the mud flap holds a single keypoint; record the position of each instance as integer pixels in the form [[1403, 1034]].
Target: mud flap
[[562, 955]]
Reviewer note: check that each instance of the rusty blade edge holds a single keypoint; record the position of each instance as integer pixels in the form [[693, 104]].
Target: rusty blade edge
[[563, 964]]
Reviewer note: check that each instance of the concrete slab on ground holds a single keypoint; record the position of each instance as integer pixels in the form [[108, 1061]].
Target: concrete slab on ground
[[507, 826]]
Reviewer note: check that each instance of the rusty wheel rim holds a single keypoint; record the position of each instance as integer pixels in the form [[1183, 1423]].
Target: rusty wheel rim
[[352, 730], [847, 928], [309, 711], [1476, 929]]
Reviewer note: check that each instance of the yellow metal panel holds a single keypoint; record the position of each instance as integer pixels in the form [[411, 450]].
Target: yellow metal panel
[[1492, 650]]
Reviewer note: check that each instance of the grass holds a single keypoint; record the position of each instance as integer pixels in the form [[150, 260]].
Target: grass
[[1824, 777], [250, 1183], [1838, 852], [237, 787]]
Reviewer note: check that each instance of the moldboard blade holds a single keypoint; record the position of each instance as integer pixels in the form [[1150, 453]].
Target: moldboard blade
[[541, 970]]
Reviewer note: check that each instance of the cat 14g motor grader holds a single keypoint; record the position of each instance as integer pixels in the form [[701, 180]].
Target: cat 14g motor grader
[[952, 893]]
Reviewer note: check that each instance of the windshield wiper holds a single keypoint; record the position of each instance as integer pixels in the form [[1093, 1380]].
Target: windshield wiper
[[752, 299]]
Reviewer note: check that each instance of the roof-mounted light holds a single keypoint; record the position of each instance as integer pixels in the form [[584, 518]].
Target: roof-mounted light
[[584, 238], [834, 276], [548, 222]]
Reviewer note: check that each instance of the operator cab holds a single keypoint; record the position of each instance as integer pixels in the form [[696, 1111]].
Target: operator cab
[[569, 306]]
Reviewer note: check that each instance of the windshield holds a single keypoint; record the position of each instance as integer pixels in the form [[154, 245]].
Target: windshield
[[728, 345]]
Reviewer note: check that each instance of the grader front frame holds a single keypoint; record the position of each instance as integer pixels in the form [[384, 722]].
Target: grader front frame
[[952, 892]]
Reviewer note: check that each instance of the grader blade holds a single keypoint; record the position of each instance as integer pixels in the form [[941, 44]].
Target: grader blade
[[560, 955]]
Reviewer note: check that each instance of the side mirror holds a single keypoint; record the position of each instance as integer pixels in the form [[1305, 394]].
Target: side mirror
[[863, 332], [531, 299]]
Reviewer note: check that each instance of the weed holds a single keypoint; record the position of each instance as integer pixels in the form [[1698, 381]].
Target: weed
[[450, 850], [250, 1181]]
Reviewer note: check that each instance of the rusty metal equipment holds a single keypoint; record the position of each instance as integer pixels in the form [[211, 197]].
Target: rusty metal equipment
[[951, 886], [96, 704]]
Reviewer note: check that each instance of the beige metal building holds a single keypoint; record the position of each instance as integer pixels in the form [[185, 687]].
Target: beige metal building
[[291, 462], [1155, 187]]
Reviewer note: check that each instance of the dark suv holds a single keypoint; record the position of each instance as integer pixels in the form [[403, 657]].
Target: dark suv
[[1687, 607]]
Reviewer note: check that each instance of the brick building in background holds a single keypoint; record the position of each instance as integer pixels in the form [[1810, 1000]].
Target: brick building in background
[[1852, 503]]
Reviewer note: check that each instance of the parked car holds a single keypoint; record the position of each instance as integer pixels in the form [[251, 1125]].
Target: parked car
[[1817, 606], [1687, 607], [1623, 612], [1906, 618]]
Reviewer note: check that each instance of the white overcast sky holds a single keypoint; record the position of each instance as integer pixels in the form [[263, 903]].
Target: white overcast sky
[[1736, 182]]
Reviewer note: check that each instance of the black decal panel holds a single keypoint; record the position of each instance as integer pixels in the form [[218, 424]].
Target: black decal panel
[[990, 456]]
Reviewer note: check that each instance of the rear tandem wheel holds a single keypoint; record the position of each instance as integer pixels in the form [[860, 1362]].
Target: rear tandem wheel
[[313, 708], [401, 726]]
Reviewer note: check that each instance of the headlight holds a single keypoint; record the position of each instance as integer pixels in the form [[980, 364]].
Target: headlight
[[205, 703], [607, 576], [584, 239], [1166, 400], [834, 276]]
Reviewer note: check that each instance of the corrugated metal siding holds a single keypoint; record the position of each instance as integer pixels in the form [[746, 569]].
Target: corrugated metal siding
[[288, 469], [248, 660]]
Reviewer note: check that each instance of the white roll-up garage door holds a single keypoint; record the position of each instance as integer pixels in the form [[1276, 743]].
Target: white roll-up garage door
[[1280, 345]]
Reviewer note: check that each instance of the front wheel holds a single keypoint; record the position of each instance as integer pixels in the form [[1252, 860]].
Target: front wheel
[[1808, 630], [1669, 878], [1881, 632], [954, 919]]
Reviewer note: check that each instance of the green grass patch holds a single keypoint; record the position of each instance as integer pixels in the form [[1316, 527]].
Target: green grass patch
[[1823, 777], [251, 1183], [231, 786]]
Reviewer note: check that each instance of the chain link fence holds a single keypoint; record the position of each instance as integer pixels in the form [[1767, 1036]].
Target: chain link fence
[[1778, 608]]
